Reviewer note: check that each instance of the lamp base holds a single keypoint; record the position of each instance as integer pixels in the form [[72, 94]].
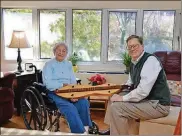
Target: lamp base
[[19, 60], [19, 68], [18, 73]]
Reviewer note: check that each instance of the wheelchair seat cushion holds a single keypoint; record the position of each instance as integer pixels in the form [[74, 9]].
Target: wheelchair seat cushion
[[44, 92]]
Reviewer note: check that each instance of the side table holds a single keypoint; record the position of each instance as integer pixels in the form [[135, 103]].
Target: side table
[[22, 81]]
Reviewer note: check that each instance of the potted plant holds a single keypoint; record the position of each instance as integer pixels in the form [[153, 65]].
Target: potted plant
[[126, 61], [74, 58]]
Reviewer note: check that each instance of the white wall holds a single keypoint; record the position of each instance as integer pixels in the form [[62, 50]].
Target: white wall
[[110, 78], [12, 65]]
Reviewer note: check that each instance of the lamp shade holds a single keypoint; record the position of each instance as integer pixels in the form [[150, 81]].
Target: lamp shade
[[19, 40]]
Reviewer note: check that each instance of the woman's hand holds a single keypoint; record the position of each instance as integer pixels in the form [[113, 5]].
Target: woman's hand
[[74, 100], [65, 84]]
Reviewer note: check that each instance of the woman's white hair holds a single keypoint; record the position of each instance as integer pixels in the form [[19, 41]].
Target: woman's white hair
[[56, 45]]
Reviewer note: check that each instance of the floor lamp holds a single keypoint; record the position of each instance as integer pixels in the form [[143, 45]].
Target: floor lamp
[[19, 40]]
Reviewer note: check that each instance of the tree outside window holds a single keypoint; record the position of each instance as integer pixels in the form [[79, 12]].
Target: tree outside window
[[121, 25], [158, 30]]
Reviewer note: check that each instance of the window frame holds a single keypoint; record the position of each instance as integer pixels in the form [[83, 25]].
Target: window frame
[[61, 10], [103, 63], [107, 47], [174, 26], [100, 39]]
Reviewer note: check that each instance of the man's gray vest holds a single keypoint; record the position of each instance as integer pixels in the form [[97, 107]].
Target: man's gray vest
[[160, 90]]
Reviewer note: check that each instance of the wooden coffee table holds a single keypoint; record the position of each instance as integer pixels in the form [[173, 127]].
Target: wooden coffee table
[[99, 99]]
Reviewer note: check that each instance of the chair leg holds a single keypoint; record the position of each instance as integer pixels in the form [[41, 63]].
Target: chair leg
[[106, 103]]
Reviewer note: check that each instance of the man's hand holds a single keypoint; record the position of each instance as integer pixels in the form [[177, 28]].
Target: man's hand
[[65, 84], [116, 98], [74, 100], [123, 87]]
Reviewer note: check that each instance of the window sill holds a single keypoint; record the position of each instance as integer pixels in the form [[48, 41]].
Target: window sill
[[101, 72]]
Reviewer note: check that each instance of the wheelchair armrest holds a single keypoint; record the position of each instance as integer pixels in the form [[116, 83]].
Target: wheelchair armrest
[[39, 86]]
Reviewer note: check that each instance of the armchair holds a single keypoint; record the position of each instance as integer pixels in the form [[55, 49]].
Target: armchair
[[6, 97], [171, 61]]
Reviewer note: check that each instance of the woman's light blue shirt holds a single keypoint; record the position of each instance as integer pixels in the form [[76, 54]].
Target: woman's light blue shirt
[[55, 74]]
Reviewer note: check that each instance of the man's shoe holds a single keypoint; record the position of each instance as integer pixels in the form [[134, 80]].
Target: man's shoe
[[106, 132]]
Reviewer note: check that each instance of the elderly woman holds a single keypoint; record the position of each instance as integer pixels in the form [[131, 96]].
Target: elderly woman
[[58, 73]]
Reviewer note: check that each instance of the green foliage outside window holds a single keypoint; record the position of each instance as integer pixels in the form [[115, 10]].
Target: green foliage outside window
[[86, 34]]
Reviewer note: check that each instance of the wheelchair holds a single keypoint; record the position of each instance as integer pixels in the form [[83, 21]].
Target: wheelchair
[[39, 112]]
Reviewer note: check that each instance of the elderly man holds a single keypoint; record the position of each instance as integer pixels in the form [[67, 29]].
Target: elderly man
[[149, 97], [58, 73]]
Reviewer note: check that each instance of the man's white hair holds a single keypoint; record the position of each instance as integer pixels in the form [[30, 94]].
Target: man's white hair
[[56, 45]]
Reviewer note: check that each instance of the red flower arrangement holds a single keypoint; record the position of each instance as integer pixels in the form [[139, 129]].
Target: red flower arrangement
[[97, 80]]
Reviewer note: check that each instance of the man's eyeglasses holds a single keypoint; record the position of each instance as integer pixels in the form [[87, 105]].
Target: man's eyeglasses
[[130, 47]]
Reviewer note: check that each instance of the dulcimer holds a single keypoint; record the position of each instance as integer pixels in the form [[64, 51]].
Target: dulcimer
[[79, 91]]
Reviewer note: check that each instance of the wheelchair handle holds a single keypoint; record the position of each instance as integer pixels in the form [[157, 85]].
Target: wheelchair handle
[[33, 66]]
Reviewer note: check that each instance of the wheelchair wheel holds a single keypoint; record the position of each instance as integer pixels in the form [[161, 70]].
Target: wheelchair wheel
[[94, 129], [33, 109]]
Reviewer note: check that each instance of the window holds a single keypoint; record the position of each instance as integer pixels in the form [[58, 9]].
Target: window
[[17, 19], [158, 30], [52, 30], [121, 25], [97, 35], [87, 34]]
